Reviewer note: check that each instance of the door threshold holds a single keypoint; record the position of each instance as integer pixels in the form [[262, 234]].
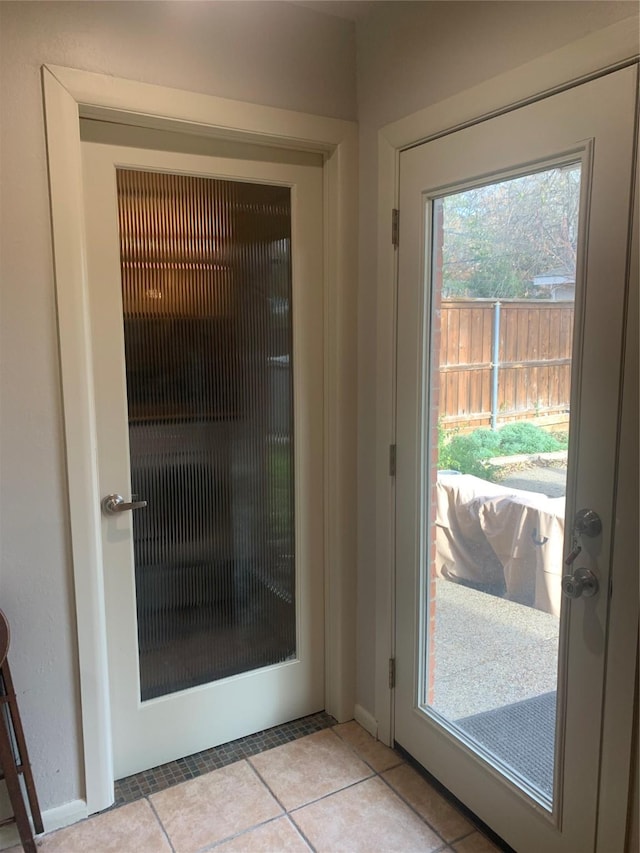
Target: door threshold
[[458, 804]]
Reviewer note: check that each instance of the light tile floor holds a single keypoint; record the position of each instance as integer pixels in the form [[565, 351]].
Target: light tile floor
[[335, 790]]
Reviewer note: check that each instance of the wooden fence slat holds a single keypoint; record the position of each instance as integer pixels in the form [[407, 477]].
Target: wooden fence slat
[[522, 348], [535, 352], [531, 387], [464, 379], [487, 337]]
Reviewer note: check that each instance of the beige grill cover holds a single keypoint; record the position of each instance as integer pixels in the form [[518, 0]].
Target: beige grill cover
[[500, 538]]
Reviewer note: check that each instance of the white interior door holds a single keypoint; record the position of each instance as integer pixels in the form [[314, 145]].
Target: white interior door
[[512, 268], [206, 306]]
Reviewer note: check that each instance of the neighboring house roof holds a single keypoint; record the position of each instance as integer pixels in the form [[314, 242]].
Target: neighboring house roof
[[553, 280], [556, 283]]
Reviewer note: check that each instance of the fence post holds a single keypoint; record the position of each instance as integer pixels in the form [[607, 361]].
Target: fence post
[[495, 365]]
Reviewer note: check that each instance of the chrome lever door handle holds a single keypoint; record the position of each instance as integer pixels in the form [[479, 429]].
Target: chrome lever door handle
[[113, 504]]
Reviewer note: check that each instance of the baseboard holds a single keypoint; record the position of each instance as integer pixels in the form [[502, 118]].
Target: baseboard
[[366, 720], [52, 819]]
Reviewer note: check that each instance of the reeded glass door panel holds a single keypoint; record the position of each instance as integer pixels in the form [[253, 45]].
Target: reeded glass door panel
[[206, 289], [503, 279]]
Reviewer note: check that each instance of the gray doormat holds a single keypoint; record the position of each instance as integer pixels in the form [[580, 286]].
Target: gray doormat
[[521, 735]]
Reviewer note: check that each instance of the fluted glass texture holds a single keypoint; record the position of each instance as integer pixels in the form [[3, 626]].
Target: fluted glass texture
[[206, 289]]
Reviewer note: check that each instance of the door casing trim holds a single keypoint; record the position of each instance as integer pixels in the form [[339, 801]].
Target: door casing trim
[[596, 54], [71, 94]]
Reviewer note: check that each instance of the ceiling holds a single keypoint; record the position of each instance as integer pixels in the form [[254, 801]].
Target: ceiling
[[353, 10]]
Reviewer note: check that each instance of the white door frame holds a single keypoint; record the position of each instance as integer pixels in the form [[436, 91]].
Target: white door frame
[[609, 49], [69, 95]]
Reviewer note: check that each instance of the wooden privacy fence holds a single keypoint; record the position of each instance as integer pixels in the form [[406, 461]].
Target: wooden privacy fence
[[504, 361]]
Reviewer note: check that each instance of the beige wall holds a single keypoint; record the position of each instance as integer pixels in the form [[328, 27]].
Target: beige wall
[[409, 56], [412, 55], [270, 53]]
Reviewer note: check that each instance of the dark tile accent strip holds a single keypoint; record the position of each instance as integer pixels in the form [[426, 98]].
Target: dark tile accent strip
[[158, 778]]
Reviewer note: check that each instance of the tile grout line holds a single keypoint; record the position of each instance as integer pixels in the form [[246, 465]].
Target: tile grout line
[[400, 763], [455, 840], [360, 756], [216, 758], [331, 793], [291, 812], [444, 847], [232, 837], [372, 775], [264, 782], [300, 833], [415, 811], [221, 841], [441, 848], [282, 806], [162, 826], [148, 787], [467, 834]]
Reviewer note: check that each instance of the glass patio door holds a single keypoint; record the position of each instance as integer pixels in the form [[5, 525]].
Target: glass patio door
[[206, 288], [513, 240]]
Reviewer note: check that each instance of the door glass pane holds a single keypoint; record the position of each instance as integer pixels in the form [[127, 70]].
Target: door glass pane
[[206, 287], [501, 324]]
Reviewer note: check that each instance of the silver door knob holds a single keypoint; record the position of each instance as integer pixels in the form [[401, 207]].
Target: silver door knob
[[582, 582], [113, 504], [587, 523]]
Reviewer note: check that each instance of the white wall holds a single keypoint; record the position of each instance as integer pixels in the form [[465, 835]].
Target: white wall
[[412, 55], [270, 53]]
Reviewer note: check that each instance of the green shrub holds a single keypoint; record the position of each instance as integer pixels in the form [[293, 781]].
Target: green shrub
[[468, 453], [526, 438], [465, 453]]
